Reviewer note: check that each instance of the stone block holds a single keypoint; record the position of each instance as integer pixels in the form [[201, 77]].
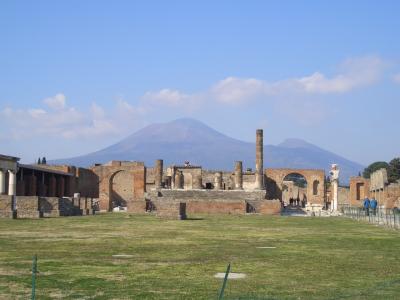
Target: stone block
[[169, 209]]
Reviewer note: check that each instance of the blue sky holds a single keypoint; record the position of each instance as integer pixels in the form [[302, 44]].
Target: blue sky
[[76, 76]]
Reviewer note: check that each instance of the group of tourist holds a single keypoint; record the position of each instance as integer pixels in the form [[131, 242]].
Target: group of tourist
[[370, 204]]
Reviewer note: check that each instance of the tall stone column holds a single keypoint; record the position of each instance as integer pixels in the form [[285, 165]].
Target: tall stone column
[[238, 175], [218, 181], [12, 183], [178, 180], [158, 173], [2, 182], [259, 184]]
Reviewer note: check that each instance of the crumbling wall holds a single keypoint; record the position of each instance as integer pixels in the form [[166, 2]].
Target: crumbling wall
[[106, 173]]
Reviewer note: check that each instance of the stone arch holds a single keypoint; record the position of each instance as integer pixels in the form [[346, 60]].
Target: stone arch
[[275, 184], [121, 187]]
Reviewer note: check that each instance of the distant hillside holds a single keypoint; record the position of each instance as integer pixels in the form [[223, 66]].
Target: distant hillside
[[188, 139]]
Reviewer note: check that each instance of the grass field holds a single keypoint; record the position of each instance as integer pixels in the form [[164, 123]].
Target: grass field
[[314, 258]]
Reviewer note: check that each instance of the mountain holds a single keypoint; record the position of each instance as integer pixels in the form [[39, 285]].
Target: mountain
[[188, 139]]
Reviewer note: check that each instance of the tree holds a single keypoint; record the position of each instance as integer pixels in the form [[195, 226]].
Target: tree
[[39, 161], [375, 167], [43, 160], [394, 170]]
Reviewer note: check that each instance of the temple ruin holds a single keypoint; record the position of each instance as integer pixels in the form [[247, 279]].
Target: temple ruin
[[176, 190]]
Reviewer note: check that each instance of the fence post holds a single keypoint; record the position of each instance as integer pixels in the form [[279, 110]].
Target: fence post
[[221, 294], [34, 271]]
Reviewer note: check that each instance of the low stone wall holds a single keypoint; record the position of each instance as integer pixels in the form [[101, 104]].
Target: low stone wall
[[28, 207], [237, 202], [6, 206], [170, 209], [227, 195]]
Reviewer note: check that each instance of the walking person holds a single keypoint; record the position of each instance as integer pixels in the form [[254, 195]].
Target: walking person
[[373, 204], [366, 206]]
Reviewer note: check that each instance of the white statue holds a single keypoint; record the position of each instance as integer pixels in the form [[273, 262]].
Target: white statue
[[335, 185]]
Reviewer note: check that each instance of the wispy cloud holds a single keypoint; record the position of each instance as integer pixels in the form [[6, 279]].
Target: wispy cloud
[[60, 120], [296, 98], [352, 74]]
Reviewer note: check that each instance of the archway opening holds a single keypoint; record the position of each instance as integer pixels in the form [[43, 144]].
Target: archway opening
[[121, 189], [294, 190]]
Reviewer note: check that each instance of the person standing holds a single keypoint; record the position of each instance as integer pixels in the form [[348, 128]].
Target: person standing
[[373, 204], [366, 206]]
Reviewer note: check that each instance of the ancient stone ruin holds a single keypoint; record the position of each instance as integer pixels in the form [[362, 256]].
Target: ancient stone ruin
[[176, 191]]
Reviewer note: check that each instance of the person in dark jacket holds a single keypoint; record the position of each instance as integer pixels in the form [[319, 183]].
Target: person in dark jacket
[[373, 204], [366, 206]]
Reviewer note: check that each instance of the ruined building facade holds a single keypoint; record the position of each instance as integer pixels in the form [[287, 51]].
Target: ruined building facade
[[61, 190]]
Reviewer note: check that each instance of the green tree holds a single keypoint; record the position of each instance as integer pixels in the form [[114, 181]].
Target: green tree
[[375, 167], [394, 170]]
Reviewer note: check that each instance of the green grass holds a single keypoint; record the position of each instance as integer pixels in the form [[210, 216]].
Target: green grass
[[315, 258]]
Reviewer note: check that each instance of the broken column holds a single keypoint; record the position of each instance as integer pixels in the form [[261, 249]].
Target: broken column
[[158, 173], [218, 181], [238, 175], [259, 184]]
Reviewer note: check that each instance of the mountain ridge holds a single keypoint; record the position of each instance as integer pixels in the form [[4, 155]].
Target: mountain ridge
[[192, 140]]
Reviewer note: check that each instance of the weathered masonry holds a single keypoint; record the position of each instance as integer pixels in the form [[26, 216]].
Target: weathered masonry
[[176, 190]]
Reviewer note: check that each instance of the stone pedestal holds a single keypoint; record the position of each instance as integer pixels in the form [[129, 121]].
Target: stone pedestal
[[170, 210]]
